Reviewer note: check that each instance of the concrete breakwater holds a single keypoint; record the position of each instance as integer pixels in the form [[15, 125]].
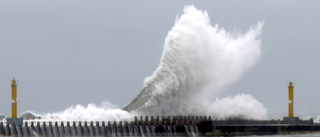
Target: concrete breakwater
[[238, 127], [160, 126], [155, 126]]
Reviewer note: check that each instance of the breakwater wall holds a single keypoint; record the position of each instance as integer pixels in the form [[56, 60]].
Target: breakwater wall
[[238, 127], [143, 126], [160, 126]]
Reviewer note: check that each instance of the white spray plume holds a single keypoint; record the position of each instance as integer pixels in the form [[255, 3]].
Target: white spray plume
[[105, 112], [241, 106], [199, 58]]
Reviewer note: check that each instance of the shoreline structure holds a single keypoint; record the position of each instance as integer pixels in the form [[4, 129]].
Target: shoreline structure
[[156, 126]]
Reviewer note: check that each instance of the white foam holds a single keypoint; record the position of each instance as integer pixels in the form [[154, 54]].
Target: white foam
[[241, 106], [198, 59], [104, 112]]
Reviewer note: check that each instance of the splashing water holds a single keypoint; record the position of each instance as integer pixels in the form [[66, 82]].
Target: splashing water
[[104, 112], [197, 60], [241, 106]]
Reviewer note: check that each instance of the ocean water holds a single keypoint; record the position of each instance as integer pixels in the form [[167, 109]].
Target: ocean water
[[293, 135]]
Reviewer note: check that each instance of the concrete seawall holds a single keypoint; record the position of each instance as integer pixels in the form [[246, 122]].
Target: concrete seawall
[[155, 126], [262, 127], [161, 126]]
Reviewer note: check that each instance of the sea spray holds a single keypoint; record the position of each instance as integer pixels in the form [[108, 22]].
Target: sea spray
[[198, 59], [239, 107], [103, 112]]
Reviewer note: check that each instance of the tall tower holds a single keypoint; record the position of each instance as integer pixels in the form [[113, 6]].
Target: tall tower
[[14, 120], [290, 91], [14, 99]]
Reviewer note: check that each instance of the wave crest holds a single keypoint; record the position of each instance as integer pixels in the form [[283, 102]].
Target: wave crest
[[198, 58]]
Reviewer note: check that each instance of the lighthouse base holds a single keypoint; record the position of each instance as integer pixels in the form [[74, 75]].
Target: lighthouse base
[[291, 120], [15, 121]]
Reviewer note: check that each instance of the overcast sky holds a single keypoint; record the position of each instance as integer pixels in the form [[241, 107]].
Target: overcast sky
[[79, 52]]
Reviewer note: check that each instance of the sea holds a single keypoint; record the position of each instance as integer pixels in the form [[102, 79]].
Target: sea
[[292, 135]]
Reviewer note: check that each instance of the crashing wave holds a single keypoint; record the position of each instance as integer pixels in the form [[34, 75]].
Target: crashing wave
[[197, 60]]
